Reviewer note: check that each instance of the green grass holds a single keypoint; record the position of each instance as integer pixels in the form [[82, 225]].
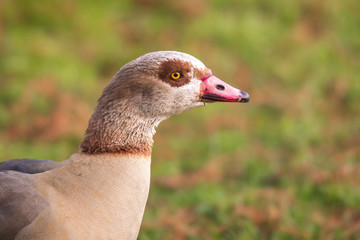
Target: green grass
[[284, 166]]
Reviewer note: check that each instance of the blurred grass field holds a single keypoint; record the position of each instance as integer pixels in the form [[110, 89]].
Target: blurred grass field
[[284, 166]]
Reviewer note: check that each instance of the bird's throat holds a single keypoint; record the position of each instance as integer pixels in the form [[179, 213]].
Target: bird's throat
[[119, 132]]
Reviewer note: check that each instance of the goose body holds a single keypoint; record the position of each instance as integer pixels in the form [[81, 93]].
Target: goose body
[[101, 192]]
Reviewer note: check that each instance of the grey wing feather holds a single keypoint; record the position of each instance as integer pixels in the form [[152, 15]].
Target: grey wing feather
[[20, 203], [27, 165]]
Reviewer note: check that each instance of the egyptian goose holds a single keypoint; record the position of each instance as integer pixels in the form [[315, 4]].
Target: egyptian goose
[[101, 192]]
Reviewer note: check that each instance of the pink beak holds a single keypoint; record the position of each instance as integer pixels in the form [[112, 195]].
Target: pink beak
[[215, 90]]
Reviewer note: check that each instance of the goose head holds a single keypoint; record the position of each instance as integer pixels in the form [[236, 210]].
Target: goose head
[[146, 91], [164, 83]]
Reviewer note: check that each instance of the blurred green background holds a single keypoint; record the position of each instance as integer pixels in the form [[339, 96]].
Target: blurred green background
[[284, 166]]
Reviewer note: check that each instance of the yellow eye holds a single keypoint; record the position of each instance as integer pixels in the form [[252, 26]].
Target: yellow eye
[[175, 75]]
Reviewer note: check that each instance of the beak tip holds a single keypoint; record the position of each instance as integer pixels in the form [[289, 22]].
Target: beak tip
[[245, 97]]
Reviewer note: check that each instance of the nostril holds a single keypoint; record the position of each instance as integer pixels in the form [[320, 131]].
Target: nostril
[[220, 87]]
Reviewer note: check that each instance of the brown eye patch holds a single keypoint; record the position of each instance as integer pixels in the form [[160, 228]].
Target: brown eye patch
[[175, 65]]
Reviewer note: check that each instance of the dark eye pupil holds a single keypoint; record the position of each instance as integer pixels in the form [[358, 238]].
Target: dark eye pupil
[[175, 75]]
